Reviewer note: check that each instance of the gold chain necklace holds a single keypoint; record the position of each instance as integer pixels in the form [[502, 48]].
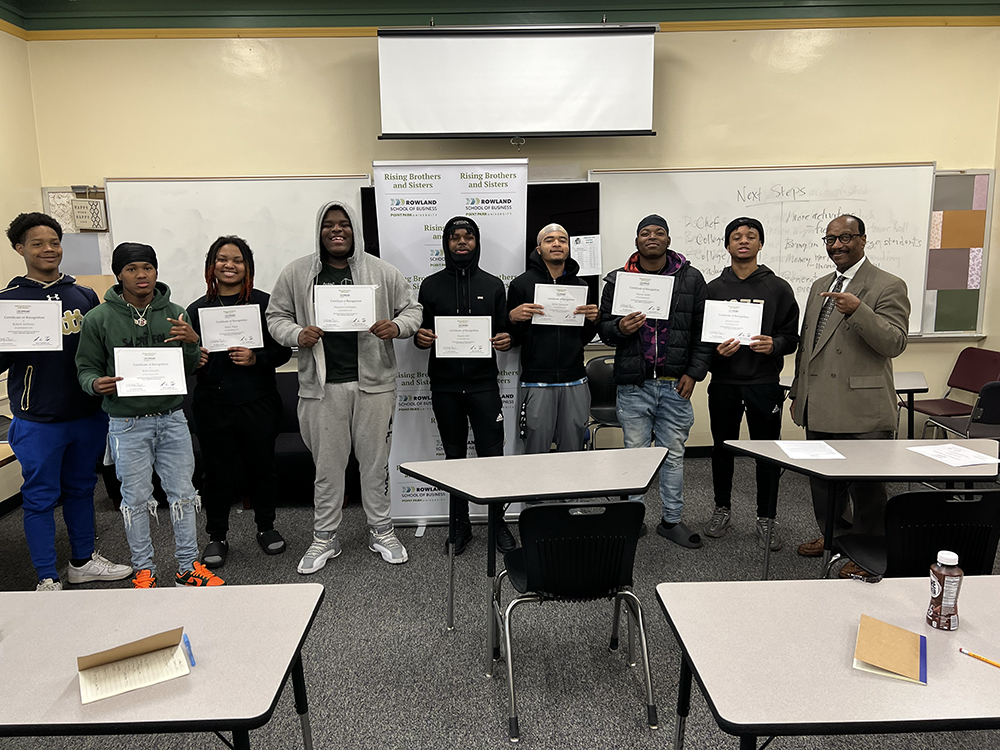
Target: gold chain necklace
[[141, 320]]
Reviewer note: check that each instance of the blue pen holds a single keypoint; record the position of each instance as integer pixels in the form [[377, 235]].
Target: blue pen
[[187, 647]]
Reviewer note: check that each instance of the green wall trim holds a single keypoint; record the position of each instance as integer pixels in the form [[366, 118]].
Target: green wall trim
[[52, 15]]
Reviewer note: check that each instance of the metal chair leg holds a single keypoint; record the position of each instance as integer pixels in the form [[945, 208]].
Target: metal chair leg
[[828, 566], [633, 603], [613, 646], [512, 724], [496, 621]]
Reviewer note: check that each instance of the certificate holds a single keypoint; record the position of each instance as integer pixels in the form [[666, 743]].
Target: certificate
[[954, 455], [30, 325], [559, 302], [150, 370], [223, 327], [643, 292], [345, 307], [808, 449], [586, 251], [467, 336], [731, 320]]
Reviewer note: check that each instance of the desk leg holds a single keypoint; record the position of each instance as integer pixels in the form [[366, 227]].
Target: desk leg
[[831, 497], [683, 703], [772, 512], [241, 739], [301, 705], [492, 636], [909, 415], [450, 616], [748, 742]]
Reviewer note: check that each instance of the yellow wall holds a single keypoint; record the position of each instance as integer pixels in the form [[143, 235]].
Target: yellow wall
[[20, 181], [210, 107]]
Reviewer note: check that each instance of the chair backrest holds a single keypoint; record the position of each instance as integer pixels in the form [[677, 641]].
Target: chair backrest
[[603, 391], [987, 408], [919, 524], [974, 368], [580, 551]]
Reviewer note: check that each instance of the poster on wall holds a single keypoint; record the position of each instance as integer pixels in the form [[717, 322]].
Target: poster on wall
[[414, 200]]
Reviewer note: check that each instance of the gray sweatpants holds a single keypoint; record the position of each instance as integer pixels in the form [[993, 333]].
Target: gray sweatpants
[[329, 426], [556, 414]]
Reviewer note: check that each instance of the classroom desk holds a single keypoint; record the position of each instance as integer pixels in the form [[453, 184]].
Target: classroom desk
[[905, 383], [786, 665], [246, 640], [869, 461], [497, 480]]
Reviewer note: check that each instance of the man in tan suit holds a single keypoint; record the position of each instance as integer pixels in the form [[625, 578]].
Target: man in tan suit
[[855, 322]]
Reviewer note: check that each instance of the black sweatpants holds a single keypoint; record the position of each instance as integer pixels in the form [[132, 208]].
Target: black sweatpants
[[454, 413], [237, 449], [726, 405]]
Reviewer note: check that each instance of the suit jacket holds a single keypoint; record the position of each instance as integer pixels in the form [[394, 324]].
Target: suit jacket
[[845, 381]]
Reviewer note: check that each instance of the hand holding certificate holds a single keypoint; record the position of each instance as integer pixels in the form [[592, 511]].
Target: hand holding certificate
[[30, 325], [225, 327], [644, 293], [150, 371], [463, 336], [731, 320], [559, 303], [345, 307]]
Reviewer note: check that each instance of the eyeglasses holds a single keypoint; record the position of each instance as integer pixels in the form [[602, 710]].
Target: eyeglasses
[[829, 239]]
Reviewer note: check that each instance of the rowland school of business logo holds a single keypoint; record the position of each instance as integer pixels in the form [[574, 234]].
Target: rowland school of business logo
[[413, 401], [412, 493], [488, 206], [412, 206]]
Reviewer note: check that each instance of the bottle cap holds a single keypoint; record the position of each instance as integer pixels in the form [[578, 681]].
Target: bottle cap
[[947, 558]]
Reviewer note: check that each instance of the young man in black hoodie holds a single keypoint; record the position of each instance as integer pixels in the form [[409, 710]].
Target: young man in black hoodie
[[745, 378], [58, 432], [555, 397], [464, 390]]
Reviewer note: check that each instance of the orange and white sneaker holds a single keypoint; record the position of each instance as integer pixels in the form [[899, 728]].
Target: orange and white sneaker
[[144, 579], [200, 576]]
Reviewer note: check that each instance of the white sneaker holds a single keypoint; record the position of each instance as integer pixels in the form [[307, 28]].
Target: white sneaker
[[47, 584], [383, 540], [98, 568], [325, 546]]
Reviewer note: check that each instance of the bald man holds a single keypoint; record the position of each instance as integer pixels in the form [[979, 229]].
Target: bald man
[[555, 397]]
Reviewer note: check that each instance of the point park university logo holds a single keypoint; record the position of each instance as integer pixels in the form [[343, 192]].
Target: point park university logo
[[475, 206]]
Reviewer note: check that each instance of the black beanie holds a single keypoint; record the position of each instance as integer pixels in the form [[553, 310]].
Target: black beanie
[[131, 252], [460, 222], [743, 221], [655, 220]]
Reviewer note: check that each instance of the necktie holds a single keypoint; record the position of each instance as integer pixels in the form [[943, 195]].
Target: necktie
[[824, 314]]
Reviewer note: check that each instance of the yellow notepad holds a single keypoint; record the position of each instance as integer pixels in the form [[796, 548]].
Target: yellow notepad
[[890, 651]]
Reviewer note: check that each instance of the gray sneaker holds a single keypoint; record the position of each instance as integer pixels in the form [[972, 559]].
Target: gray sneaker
[[776, 542], [47, 584], [382, 539], [719, 523], [325, 546]]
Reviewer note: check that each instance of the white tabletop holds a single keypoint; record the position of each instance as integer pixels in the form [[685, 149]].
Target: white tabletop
[[244, 639], [884, 460], [543, 476], [903, 382], [775, 657]]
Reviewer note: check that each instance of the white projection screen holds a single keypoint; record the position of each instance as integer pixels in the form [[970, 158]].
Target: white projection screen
[[465, 82]]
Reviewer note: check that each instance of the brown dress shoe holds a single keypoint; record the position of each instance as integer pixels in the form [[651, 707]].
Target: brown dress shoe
[[812, 549], [852, 570]]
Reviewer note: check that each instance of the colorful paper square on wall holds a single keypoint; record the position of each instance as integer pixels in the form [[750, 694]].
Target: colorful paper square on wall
[[948, 269], [963, 229], [957, 310]]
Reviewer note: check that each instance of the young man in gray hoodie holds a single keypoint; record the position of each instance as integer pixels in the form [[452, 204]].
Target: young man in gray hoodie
[[347, 380]]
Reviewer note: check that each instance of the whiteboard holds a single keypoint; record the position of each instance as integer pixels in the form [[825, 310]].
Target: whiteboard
[[182, 217], [794, 205]]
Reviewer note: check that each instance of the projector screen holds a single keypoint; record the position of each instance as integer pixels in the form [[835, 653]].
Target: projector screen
[[516, 81]]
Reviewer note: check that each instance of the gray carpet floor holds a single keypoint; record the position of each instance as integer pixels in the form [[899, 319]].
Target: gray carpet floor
[[382, 671]]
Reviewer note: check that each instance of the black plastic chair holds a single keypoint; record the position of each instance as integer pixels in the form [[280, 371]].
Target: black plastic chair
[[919, 524], [603, 396], [984, 422], [575, 553]]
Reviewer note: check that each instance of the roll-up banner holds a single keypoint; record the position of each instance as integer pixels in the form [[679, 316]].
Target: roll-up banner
[[414, 200]]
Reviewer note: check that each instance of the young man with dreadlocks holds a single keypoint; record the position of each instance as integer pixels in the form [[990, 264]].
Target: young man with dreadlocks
[[236, 406]]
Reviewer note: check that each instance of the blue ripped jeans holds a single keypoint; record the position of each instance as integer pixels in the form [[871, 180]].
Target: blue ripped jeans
[[656, 408], [139, 445]]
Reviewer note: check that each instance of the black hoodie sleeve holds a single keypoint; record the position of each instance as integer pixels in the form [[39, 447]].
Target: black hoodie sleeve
[[501, 322], [516, 293], [607, 325], [589, 330], [701, 352], [423, 298], [785, 336]]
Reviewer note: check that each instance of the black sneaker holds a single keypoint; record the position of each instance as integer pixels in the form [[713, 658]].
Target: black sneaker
[[463, 535], [505, 540]]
